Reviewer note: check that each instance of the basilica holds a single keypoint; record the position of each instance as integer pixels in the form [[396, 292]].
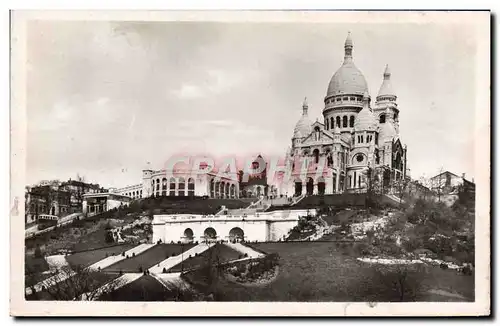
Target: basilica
[[356, 140]]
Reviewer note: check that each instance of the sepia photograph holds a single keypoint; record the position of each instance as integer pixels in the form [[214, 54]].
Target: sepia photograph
[[197, 163]]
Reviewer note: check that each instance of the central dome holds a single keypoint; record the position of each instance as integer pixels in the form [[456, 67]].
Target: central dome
[[348, 79]]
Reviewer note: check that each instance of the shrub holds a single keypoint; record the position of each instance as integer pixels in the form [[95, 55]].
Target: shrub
[[398, 282], [38, 252], [466, 270]]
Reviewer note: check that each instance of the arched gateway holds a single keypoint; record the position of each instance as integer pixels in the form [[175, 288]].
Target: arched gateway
[[210, 234], [236, 235]]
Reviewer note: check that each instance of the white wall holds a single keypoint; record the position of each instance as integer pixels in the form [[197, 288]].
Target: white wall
[[262, 227]]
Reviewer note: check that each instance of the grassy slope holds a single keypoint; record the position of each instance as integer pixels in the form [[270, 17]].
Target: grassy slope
[[87, 258], [318, 271], [148, 258], [146, 288]]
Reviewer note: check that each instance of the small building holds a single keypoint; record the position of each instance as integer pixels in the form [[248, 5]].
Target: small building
[[253, 184], [98, 203], [47, 199]]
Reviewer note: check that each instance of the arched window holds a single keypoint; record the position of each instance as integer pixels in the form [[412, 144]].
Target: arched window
[[351, 121], [326, 123], [212, 189], [331, 123], [172, 187], [382, 118], [344, 121], [182, 187], [376, 139], [191, 187], [338, 122], [164, 186], [316, 155]]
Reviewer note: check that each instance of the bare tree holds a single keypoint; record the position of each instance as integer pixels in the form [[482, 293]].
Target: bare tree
[[438, 184], [66, 284]]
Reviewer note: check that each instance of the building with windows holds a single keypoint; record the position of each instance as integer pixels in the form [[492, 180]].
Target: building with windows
[[182, 182], [355, 135], [77, 188], [97, 203]]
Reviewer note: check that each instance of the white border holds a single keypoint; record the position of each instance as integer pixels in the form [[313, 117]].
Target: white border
[[480, 21]]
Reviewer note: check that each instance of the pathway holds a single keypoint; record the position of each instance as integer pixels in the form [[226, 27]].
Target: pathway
[[172, 261], [115, 259], [171, 281], [251, 253], [51, 281]]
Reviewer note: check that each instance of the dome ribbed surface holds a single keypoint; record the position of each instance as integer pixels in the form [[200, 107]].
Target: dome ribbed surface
[[347, 80], [365, 121]]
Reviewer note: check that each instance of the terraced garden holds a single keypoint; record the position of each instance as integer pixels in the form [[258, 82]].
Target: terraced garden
[[148, 258]]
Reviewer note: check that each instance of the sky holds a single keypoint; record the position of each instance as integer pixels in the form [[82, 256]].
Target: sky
[[106, 98]]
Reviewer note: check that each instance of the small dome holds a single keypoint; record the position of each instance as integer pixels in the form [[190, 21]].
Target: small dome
[[304, 126], [387, 133], [365, 120]]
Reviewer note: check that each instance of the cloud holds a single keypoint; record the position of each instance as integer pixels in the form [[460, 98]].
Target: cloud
[[211, 82], [188, 91]]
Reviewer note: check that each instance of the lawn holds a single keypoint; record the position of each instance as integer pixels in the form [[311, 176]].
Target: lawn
[[146, 288], [89, 257], [323, 271], [219, 252], [148, 258]]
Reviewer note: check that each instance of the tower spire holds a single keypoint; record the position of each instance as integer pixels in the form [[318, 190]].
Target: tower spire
[[386, 87], [305, 106], [348, 48]]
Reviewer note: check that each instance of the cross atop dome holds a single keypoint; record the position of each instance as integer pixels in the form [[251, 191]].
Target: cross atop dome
[[348, 48], [387, 72]]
